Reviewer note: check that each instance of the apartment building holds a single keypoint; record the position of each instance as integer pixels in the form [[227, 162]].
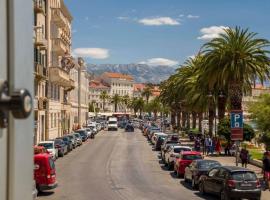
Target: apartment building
[[40, 68], [79, 96], [112, 83]]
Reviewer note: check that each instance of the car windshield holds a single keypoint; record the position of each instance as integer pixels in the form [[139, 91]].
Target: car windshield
[[244, 176], [88, 129], [77, 135], [192, 157], [112, 122], [46, 145], [208, 164], [65, 139], [178, 150], [57, 141]]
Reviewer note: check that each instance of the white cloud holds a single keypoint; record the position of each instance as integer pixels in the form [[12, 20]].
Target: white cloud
[[159, 62], [193, 16], [181, 15], [86, 18], [159, 21], [211, 32], [94, 53], [122, 18]]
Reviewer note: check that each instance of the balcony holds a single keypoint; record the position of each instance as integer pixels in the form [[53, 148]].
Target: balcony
[[39, 6], [40, 72], [40, 40], [58, 18], [40, 103], [61, 77], [58, 46]]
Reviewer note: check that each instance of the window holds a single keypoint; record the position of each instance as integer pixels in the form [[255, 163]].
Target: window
[[51, 120], [213, 172], [222, 173], [55, 120]]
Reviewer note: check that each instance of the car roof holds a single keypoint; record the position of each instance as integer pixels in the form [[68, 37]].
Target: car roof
[[191, 153], [160, 133], [179, 146], [48, 141], [235, 169]]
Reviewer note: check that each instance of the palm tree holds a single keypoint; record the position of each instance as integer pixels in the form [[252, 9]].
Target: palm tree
[[104, 96], [147, 92], [234, 61], [116, 99], [154, 106], [126, 101]]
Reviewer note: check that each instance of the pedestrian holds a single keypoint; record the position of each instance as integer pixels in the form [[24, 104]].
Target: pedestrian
[[227, 148], [197, 144], [213, 146], [218, 146], [244, 154], [266, 169], [208, 144]]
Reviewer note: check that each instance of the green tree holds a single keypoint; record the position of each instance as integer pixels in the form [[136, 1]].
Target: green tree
[[104, 96], [116, 99], [154, 106], [126, 101], [260, 113], [234, 61], [147, 92], [225, 131]]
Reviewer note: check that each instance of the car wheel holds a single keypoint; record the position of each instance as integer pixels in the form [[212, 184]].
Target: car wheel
[[224, 195], [201, 188]]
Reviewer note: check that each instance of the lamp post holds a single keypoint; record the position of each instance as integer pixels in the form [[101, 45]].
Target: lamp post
[[81, 65]]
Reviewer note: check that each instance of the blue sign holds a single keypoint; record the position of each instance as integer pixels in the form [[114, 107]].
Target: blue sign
[[236, 120]]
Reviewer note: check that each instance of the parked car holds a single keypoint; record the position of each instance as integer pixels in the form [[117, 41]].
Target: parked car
[[90, 133], [165, 148], [197, 168], [61, 146], [82, 133], [173, 153], [160, 140], [155, 136], [68, 142], [129, 128], [73, 140], [185, 158], [112, 124], [78, 138], [44, 172], [50, 146], [231, 182]]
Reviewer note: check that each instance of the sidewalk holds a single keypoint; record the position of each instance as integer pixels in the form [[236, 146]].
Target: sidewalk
[[226, 160]]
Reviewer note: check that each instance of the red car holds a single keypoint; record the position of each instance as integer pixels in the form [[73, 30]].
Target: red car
[[44, 172], [186, 157]]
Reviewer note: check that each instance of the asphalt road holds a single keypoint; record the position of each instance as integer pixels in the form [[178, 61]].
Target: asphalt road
[[117, 166]]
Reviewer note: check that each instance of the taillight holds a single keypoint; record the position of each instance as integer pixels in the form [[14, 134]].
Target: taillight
[[258, 184], [48, 176], [231, 183]]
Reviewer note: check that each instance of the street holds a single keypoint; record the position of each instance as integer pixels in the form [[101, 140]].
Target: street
[[114, 166]]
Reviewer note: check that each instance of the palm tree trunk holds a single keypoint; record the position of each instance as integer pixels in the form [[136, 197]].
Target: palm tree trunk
[[173, 118], [235, 94], [155, 115], [178, 115], [115, 107], [211, 116], [221, 107], [188, 120], [200, 116], [194, 120], [184, 119]]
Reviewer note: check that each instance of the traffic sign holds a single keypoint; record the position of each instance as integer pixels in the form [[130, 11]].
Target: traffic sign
[[237, 125]]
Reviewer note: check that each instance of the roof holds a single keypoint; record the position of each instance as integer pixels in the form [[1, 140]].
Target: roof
[[118, 75], [234, 168], [94, 84], [138, 87], [191, 153], [179, 146]]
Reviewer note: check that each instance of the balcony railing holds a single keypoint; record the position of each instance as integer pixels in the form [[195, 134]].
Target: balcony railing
[[59, 46], [58, 18], [40, 40], [61, 77], [39, 6], [40, 71]]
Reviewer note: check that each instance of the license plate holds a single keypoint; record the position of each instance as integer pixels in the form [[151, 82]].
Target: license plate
[[245, 185]]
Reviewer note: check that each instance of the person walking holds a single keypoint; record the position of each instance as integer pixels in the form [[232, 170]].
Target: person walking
[[208, 144], [244, 156], [266, 169], [218, 146], [197, 144]]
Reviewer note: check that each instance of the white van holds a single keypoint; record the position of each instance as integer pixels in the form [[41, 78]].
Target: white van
[[112, 124]]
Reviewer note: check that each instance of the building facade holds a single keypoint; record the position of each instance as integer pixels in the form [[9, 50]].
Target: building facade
[[112, 83], [40, 68]]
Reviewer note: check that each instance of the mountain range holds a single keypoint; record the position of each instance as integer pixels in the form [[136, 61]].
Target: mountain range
[[142, 73]]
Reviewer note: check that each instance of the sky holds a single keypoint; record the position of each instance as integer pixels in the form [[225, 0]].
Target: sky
[[157, 32]]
